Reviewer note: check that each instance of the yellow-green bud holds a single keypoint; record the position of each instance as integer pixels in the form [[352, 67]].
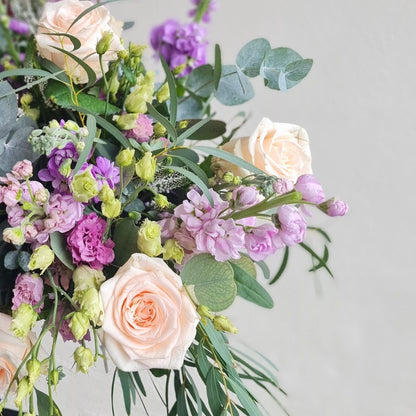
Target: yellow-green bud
[[161, 201], [79, 325], [228, 177], [222, 323], [30, 414], [84, 186], [163, 93], [24, 317], [41, 258], [179, 69], [91, 306], [65, 168], [71, 126], [84, 359], [126, 121], [80, 146], [159, 130], [149, 238], [111, 209], [204, 313], [103, 45], [25, 101], [183, 124], [24, 388], [54, 377], [106, 194], [237, 180], [14, 235], [123, 54], [173, 251], [33, 370], [125, 158], [54, 124], [84, 277], [146, 167], [136, 50]]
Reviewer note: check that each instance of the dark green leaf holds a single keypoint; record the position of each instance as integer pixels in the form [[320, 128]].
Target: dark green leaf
[[282, 267], [322, 232], [89, 140], [173, 96], [217, 340], [170, 128], [245, 399], [209, 131], [59, 247], [138, 380], [201, 81], [325, 258], [125, 239], [217, 67], [234, 87], [75, 42], [192, 166], [86, 11], [10, 260], [216, 396], [321, 260], [190, 131], [8, 108], [127, 388], [251, 56], [44, 405], [185, 153], [23, 259]]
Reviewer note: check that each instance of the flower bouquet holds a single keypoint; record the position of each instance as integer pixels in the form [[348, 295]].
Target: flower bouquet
[[131, 216]]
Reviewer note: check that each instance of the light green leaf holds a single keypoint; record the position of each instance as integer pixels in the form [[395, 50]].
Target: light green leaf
[[245, 263], [89, 141], [251, 56], [173, 96], [201, 81], [193, 166], [212, 281], [245, 399], [234, 87], [215, 394], [170, 128], [58, 245]]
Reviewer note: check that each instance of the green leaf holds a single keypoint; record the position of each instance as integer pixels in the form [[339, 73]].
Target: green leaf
[[125, 239], [190, 131], [10, 260], [217, 67], [90, 9], [127, 388], [8, 108], [23, 259], [173, 96], [322, 232], [321, 260], [234, 87], [194, 167], [59, 247], [201, 81], [250, 289], [264, 268], [75, 42], [215, 394], [251, 56], [208, 131], [229, 157], [212, 281], [283, 68], [185, 153], [245, 263], [202, 361], [27, 72], [89, 141], [217, 340], [325, 258], [245, 399], [195, 179], [110, 128], [44, 405], [282, 266], [170, 128]]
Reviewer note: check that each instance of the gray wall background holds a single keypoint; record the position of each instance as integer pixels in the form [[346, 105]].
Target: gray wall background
[[344, 346]]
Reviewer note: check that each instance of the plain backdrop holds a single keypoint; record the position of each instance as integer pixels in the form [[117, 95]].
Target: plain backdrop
[[344, 346]]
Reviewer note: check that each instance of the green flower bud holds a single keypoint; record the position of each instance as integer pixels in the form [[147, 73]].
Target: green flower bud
[[136, 101], [41, 258], [146, 167], [222, 323], [33, 370], [71, 126], [179, 69], [125, 158], [54, 124], [204, 313], [183, 124], [65, 168], [111, 209], [91, 306], [149, 238], [14, 235], [84, 277], [103, 45], [84, 359], [84, 186], [126, 121], [24, 317], [24, 388], [161, 201], [159, 130], [136, 50], [228, 177], [54, 377], [106, 194], [173, 251], [123, 54], [163, 93], [237, 180], [79, 325]]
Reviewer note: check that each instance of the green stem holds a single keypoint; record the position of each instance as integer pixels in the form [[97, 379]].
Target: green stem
[[7, 33], [107, 88]]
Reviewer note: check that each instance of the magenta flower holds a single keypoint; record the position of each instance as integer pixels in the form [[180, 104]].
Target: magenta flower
[[28, 289], [86, 242], [292, 225], [143, 130], [310, 189], [262, 241]]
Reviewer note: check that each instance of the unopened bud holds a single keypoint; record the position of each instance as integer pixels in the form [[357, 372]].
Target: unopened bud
[[24, 388], [125, 158], [79, 325], [84, 359], [222, 323], [104, 43], [33, 370], [163, 93]]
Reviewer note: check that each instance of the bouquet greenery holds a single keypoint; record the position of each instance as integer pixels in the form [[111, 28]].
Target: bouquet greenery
[[131, 216]]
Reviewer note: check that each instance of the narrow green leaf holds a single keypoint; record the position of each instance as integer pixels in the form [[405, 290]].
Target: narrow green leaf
[[325, 258], [217, 340], [229, 157], [215, 393], [250, 289], [86, 11], [189, 132], [245, 399], [195, 179], [127, 388], [321, 261], [217, 67], [170, 128], [264, 268], [322, 232], [125, 239], [173, 96], [181, 401], [193, 391], [194, 167], [282, 267], [58, 245], [26, 72], [202, 362], [211, 130], [75, 41], [89, 141], [138, 380]]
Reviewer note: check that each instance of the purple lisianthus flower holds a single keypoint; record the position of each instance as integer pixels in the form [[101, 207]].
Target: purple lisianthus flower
[[142, 131], [262, 241], [86, 244], [221, 238], [104, 171], [19, 26], [28, 289], [207, 15], [310, 189], [180, 44], [292, 225]]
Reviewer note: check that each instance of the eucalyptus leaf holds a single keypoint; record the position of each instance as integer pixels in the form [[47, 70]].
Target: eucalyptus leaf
[[234, 87], [10, 260], [59, 247], [201, 81], [8, 108], [251, 56], [212, 281], [23, 259]]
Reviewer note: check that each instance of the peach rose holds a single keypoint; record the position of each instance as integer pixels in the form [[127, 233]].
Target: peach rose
[[12, 351], [57, 17], [279, 149], [149, 321]]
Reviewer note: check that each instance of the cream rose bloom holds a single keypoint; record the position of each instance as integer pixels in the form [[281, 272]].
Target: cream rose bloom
[[57, 17], [149, 321], [12, 352], [279, 149]]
